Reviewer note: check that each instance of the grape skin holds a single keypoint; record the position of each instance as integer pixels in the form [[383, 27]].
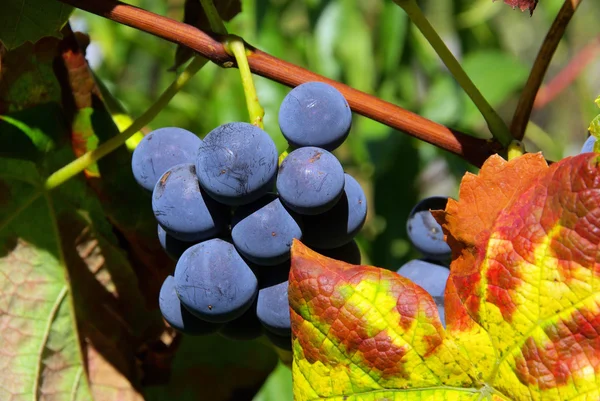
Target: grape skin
[[237, 163], [177, 316], [214, 282], [429, 276], [310, 180], [423, 230], [315, 114], [273, 308], [342, 222], [588, 145], [160, 150], [184, 210], [264, 230]]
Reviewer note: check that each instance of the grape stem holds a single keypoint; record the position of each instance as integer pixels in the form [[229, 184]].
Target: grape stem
[[472, 149], [84, 161], [496, 125], [80, 164], [237, 48]]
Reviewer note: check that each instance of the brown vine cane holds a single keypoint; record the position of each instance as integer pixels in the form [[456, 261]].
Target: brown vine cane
[[472, 149]]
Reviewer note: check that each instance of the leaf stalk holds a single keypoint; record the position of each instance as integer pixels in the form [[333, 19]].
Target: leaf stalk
[[84, 161]]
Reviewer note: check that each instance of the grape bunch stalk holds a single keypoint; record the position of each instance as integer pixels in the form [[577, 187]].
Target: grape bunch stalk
[[228, 210]]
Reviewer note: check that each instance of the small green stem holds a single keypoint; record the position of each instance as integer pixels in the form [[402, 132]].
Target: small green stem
[[516, 149], [236, 46], [497, 127], [91, 157], [216, 23]]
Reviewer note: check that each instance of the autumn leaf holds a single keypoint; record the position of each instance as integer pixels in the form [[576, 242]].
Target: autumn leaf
[[521, 302], [523, 4]]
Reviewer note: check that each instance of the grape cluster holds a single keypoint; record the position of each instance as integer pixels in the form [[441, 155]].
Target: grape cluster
[[228, 212], [431, 272], [426, 235]]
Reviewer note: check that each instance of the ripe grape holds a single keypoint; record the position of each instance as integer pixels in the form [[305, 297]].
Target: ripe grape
[[273, 308], [263, 231], [183, 209], [423, 230], [429, 276], [315, 114], [588, 145], [172, 246], [237, 163], [159, 151], [341, 223], [349, 253], [177, 316], [214, 282], [310, 180]]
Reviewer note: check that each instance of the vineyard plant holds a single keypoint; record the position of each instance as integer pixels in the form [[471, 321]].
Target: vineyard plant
[[279, 200]]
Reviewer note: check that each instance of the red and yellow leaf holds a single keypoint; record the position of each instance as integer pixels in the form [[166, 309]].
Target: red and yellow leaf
[[522, 303], [523, 4]]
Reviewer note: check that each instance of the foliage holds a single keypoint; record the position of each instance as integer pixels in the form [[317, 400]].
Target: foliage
[[31, 20], [81, 266], [521, 303]]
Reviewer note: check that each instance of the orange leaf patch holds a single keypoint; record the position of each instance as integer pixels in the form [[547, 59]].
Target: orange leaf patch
[[522, 301]]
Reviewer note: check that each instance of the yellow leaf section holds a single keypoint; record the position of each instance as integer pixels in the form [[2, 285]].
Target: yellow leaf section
[[471, 339], [351, 340], [537, 291]]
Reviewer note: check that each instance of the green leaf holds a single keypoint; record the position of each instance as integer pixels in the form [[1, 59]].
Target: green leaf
[[41, 355], [30, 20], [278, 386]]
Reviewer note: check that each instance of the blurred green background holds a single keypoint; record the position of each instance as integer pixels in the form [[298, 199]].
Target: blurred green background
[[370, 45]]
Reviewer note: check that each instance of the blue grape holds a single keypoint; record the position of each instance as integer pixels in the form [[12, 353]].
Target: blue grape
[[159, 151], [349, 253], [214, 282], [588, 145], [315, 114], [423, 230], [263, 231], [244, 328], [429, 276], [310, 180], [183, 209], [341, 223], [273, 308], [172, 246], [237, 163], [177, 316]]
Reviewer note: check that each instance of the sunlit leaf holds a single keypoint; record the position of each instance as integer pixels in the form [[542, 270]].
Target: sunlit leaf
[[521, 302]]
